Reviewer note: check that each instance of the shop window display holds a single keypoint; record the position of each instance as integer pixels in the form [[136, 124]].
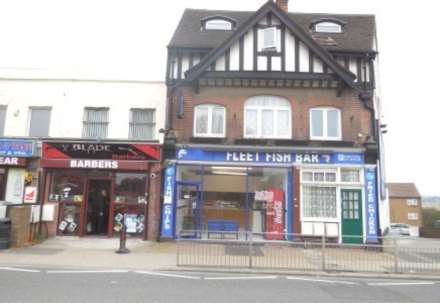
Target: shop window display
[[68, 187], [268, 193], [252, 198], [131, 199]]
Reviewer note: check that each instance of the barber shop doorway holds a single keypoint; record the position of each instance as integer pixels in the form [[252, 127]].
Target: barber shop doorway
[[98, 206]]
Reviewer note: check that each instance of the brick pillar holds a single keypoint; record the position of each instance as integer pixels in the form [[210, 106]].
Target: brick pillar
[[20, 225], [283, 4], [154, 204]]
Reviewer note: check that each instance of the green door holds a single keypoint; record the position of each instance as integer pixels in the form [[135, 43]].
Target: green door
[[351, 215]]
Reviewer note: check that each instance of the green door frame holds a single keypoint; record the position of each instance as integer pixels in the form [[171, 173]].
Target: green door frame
[[351, 216]]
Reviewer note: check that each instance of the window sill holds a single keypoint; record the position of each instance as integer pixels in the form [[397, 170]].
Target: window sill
[[218, 140]]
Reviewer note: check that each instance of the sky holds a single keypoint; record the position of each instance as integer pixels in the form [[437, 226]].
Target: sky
[[127, 39]]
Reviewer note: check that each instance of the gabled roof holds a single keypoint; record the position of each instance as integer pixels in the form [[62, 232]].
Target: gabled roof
[[402, 190], [358, 35], [271, 7]]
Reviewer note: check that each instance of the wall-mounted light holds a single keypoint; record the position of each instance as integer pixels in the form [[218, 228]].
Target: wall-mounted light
[[16, 113]]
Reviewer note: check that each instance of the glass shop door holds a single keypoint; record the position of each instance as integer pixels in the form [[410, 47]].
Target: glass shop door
[[189, 210]]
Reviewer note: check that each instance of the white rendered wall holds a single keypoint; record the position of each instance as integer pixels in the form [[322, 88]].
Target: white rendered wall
[[67, 98]]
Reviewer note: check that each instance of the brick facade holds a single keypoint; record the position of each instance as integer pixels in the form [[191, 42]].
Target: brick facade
[[399, 210], [154, 204], [356, 118]]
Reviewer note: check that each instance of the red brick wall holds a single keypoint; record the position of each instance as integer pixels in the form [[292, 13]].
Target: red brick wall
[[355, 117], [154, 204]]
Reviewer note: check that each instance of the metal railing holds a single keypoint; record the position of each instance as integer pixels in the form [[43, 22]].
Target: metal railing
[[240, 250]]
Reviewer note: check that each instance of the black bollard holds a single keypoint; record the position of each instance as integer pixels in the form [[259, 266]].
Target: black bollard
[[123, 240]]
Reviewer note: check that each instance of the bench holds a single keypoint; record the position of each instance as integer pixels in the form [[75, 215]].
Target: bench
[[223, 227]]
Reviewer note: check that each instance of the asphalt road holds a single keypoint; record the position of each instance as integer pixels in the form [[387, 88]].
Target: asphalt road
[[63, 286]]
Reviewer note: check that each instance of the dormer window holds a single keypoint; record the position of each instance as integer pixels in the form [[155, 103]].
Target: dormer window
[[269, 39], [218, 23], [328, 27]]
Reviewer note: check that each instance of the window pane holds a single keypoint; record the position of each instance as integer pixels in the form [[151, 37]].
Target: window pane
[[130, 187], [332, 123], [67, 186], [317, 123], [283, 125], [95, 123], [307, 176], [350, 175], [218, 24], [330, 177], [269, 37], [251, 122], [218, 120], [202, 120], [319, 177], [39, 122], [142, 124], [267, 123], [3, 110], [319, 202]]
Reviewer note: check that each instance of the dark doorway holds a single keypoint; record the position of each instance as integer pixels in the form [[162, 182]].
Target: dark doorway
[[98, 207]]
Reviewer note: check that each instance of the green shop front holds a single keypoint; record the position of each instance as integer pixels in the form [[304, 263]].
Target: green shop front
[[277, 194]]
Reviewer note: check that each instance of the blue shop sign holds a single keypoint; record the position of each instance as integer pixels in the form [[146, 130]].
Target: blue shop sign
[[371, 205], [199, 154], [168, 201], [16, 148]]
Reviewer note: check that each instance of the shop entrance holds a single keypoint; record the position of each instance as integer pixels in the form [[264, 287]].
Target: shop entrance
[[351, 216], [98, 206], [189, 209]]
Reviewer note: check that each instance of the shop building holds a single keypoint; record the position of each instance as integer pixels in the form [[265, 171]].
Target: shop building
[[406, 206], [19, 174], [81, 136], [272, 126], [96, 184]]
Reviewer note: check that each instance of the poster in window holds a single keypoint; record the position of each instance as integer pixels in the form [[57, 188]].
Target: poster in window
[[275, 215], [130, 223], [15, 186], [30, 194]]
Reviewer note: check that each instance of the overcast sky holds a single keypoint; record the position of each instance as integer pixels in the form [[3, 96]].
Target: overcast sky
[[127, 39]]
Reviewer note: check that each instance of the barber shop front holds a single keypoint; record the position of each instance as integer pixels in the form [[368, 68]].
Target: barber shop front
[[275, 193], [96, 185]]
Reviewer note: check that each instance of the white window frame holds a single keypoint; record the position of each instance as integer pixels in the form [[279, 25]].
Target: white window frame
[[413, 216], [338, 184], [328, 27], [320, 184], [260, 110], [412, 202], [212, 24], [210, 108], [325, 135], [274, 31]]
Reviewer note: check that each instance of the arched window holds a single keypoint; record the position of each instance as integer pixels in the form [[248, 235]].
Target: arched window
[[209, 120], [267, 117], [325, 123], [328, 27], [218, 23]]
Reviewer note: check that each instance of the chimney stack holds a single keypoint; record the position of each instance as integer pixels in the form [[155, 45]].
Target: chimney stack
[[283, 4]]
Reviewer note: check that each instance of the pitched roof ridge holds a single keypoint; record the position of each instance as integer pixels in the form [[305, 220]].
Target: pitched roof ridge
[[332, 14]]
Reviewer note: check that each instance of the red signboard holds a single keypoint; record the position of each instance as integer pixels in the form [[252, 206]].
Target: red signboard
[[275, 215], [13, 161], [100, 155]]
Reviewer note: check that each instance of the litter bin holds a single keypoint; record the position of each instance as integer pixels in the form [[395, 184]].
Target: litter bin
[[5, 233]]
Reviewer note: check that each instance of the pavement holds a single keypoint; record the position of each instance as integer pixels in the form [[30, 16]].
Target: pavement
[[99, 254], [51, 285], [74, 252]]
